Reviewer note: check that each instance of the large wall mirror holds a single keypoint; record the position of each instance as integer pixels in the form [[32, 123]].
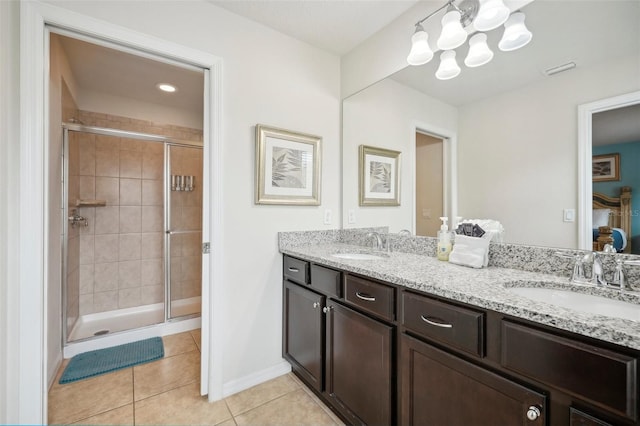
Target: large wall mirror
[[508, 131]]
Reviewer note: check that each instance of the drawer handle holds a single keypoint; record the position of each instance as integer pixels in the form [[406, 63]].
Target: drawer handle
[[292, 269], [364, 296], [437, 324]]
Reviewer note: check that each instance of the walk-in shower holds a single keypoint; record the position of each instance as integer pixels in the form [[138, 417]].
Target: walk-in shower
[[132, 246]]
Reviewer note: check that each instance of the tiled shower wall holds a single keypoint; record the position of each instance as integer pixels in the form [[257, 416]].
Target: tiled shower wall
[[121, 251]]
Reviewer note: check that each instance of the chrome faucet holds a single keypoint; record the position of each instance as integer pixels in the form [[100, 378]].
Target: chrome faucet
[[597, 271], [377, 243]]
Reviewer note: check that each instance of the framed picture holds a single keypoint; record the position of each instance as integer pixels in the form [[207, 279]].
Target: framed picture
[[605, 167], [287, 167], [379, 171]]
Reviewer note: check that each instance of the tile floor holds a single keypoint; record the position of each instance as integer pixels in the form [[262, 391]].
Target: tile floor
[[167, 392]]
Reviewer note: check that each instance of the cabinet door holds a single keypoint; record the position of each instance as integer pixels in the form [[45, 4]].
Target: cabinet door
[[359, 365], [441, 389], [303, 342]]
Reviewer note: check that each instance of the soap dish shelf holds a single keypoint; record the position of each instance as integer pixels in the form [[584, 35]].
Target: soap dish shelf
[[91, 203]]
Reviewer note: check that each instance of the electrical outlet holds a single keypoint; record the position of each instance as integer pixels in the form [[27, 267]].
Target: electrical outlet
[[327, 217], [351, 216]]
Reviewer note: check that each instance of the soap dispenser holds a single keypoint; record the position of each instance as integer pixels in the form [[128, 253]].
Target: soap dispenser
[[444, 240]]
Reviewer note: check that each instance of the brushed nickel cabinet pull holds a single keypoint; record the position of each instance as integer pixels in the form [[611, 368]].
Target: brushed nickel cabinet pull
[[365, 297], [292, 269], [437, 324]]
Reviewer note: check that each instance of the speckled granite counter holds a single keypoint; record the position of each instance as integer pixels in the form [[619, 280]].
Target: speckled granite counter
[[486, 288]]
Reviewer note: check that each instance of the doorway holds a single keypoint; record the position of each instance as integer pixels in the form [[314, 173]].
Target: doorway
[[429, 192]]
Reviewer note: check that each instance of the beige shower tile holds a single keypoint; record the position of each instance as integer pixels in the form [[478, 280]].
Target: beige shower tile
[[130, 219], [152, 219], [107, 163], [88, 213], [191, 288], [151, 245], [130, 192], [127, 144], [260, 394], [129, 247], [191, 267], [87, 247], [106, 143], [192, 218], [183, 405], [87, 189], [107, 247], [86, 278], [166, 374], [294, 408], [72, 402], [85, 304], [119, 416], [152, 294], [108, 189], [106, 276], [107, 220], [152, 193], [152, 165], [87, 157], [131, 164], [129, 297], [151, 272], [180, 343], [129, 274], [153, 148], [192, 244], [105, 301]]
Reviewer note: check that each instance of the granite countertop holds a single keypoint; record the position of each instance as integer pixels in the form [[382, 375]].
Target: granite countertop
[[486, 288]]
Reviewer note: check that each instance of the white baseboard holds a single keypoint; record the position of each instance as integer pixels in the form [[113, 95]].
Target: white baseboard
[[235, 386], [54, 372]]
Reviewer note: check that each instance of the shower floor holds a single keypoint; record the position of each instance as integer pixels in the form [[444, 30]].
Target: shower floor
[[105, 323]]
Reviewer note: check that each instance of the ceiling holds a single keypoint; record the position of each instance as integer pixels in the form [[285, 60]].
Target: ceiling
[[340, 25], [337, 26]]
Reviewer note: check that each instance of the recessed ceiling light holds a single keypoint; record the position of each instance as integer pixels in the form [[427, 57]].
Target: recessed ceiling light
[[165, 87]]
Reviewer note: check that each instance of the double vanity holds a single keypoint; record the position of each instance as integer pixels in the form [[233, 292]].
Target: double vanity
[[399, 337]]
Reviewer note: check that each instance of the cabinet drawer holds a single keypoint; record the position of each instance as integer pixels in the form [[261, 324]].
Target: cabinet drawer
[[578, 418], [601, 376], [296, 270], [459, 327], [326, 280], [371, 296]]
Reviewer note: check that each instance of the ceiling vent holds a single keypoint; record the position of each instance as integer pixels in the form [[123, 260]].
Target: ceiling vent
[[560, 68]]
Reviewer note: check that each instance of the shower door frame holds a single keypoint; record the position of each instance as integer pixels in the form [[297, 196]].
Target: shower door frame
[[166, 142]]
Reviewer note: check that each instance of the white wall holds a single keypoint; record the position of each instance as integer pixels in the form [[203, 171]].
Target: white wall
[[518, 152], [268, 78], [9, 214], [385, 115]]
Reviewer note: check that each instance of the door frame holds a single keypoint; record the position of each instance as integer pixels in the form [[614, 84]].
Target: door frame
[[585, 147], [449, 169], [32, 386]]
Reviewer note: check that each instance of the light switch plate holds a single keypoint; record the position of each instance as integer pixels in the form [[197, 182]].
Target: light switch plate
[[351, 216], [569, 215], [327, 217]]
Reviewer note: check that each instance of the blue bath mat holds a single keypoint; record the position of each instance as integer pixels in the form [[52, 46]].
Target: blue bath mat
[[101, 361]]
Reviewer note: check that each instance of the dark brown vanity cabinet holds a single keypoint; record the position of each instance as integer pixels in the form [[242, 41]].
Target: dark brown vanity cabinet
[[359, 365], [303, 345], [439, 388]]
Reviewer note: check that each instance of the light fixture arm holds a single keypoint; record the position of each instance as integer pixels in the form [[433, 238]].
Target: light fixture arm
[[468, 10]]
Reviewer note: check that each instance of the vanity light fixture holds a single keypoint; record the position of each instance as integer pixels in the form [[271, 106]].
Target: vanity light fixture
[[166, 87], [463, 18]]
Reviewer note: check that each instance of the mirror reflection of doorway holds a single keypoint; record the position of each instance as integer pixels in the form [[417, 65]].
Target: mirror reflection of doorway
[[429, 184]]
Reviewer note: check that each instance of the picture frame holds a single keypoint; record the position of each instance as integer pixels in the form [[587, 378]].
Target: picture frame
[[379, 176], [288, 167], [605, 167]]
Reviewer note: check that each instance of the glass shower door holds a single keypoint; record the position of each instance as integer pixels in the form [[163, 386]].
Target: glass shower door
[[184, 230]]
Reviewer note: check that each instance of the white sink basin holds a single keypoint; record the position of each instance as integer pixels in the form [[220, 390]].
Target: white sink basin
[[357, 256], [587, 303]]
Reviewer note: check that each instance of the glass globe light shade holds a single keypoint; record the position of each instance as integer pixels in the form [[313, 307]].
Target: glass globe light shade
[[491, 14], [479, 53], [453, 35], [448, 68], [420, 52], [516, 34]]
